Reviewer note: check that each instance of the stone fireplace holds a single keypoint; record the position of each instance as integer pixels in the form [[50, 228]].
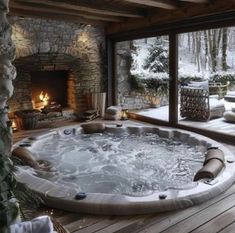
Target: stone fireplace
[[64, 60]]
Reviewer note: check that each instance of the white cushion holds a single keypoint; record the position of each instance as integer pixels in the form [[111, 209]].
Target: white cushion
[[214, 97], [229, 116], [214, 103], [203, 84], [113, 110], [231, 93]]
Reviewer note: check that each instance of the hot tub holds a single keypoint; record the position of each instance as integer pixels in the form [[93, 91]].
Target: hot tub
[[123, 170]]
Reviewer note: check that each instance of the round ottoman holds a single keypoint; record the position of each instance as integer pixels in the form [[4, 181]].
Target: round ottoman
[[229, 116]]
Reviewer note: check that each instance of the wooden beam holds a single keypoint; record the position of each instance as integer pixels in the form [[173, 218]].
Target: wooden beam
[[32, 7], [89, 9], [166, 4], [37, 14], [163, 18], [196, 1], [173, 80]]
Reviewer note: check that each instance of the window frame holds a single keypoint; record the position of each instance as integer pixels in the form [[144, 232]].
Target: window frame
[[226, 19]]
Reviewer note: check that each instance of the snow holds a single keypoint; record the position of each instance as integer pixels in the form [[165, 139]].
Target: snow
[[187, 62]]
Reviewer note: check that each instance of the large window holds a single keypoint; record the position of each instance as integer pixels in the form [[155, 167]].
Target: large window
[[207, 79], [142, 74]]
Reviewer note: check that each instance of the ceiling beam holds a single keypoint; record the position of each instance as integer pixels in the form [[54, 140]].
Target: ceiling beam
[[90, 9], [165, 4], [180, 14], [196, 1], [37, 14], [54, 10]]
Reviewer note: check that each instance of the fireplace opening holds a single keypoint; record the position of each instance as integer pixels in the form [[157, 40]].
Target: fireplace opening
[[49, 88]]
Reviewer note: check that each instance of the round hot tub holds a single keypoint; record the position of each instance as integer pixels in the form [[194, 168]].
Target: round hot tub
[[112, 169]]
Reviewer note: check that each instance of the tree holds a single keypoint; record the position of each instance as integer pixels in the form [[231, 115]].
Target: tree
[[206, 50], [214, 37], [157, 61], [224, 48], [197, 49]]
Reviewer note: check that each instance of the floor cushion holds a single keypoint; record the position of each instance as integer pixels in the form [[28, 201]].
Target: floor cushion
[[230, 96], [229, 116], [215, 103]]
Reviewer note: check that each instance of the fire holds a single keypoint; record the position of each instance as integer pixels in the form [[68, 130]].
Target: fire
[[14, 126], [44, 98]]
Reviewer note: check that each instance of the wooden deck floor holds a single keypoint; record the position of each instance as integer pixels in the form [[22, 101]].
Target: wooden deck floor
[[216, 215]]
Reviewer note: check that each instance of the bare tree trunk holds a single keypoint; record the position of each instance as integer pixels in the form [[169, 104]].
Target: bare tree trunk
[[198, 51], [189, 42], [219, 36], [193, 42], [180, 39], [224, 49], [206, 50], [214, 37], [214, 51], [210, 48]]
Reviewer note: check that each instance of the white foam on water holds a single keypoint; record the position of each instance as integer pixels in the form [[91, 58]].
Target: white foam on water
[[122, 164]]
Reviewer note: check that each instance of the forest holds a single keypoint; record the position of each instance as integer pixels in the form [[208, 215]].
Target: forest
[[207, 54]]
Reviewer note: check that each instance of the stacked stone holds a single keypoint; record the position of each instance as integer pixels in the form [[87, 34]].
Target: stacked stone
[[8, 205], [113, 113], [7, 74], [48, 45]]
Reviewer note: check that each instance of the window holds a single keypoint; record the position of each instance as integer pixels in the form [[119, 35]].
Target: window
[[142, 75], [207, 79]]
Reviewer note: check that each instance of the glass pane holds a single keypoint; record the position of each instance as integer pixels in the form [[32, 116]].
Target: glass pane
[[207, 79], [142, 76]]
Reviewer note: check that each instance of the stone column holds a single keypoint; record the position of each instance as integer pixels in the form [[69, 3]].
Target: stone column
[[7, 74], [8, 205]]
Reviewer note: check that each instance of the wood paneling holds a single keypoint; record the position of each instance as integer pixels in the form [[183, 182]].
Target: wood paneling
[[165, 4], [56, 10], [88, 9], [125, 15], [182, 13]]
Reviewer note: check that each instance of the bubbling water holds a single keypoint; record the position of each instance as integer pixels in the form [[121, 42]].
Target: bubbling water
[[129, 164]]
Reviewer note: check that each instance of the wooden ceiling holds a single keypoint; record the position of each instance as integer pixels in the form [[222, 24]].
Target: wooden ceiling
[[117, 15]]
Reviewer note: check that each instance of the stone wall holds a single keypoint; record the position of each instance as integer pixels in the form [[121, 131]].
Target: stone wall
[[127, 97], [122, 71], [9, 210], [56, 45]]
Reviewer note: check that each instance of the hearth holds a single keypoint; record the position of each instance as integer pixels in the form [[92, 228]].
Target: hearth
[[49, 90]]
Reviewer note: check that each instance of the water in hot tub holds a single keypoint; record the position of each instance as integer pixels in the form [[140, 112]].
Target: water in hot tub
[[120, 164]]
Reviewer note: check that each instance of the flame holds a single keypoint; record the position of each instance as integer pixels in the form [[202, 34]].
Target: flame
[[44, 98], [14, 126]]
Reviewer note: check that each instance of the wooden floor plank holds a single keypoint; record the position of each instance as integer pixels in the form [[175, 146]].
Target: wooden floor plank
[[105, 222], [123, 226], [229, 229], [219, 223], [68, 218], [175, 217], [191, 223], [152, 220], [82, 223]]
